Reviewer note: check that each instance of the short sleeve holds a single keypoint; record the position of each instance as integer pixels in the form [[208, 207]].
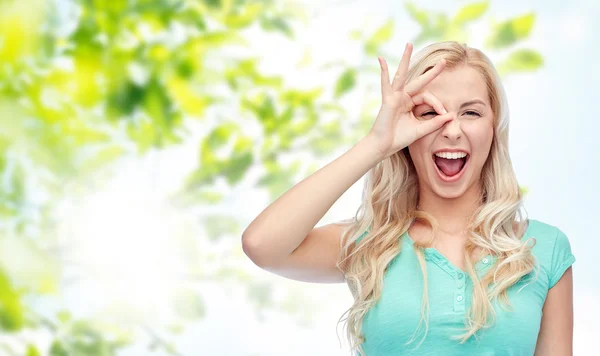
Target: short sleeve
[[562, 258]]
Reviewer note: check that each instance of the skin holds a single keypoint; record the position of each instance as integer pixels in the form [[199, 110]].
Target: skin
[[472, 129]]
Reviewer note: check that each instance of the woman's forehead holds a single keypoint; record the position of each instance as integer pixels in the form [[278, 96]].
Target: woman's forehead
[[458, 85]]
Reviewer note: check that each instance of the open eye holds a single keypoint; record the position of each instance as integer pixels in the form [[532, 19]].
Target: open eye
[[470, 112]]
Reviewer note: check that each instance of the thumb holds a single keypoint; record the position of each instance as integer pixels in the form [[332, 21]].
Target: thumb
[[427, 127]]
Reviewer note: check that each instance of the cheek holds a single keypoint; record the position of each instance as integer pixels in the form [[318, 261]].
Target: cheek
[[420, 149], [480, 138]]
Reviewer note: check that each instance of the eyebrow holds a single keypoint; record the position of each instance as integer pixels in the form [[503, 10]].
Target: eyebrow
[[471, 102]]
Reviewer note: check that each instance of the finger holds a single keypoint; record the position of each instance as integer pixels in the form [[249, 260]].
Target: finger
[[386, 88], [426, 97], [428, 126], [400, 76], [420, 82]]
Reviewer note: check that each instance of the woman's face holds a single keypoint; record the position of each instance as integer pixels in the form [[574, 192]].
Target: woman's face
[[438, 156]]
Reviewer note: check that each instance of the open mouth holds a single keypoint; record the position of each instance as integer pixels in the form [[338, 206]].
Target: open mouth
[[450, 167]]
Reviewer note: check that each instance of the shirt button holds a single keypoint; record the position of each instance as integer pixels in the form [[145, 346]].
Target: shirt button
[[459, 298], [460, 276], [485, 260], [459, 285]]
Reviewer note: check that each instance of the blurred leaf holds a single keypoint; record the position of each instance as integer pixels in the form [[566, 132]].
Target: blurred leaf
[[237, 274], [85, 338], [216, 226], [193, 17], [213, 3], [511, 31], [217, 39], [84, 87], [188, 100], [246, 16], [247, 71], [277, 24], [306, 59], [19, 29], [470, 12], [209, 197], [188, 304], [456, 33], [521, 60], [302, 126], [232, 166], [170, 349], [125, 99], [102, 157], [63, 316], [57, 349], [301, 98], [331, 137], [11, 310], [158, 105], [176, 329], [356, 35], [438, 28], [220, 135], [418, 15], [261, 293], [32, 351], [382, 35], [345, 82], [237, 165], [278, 177]]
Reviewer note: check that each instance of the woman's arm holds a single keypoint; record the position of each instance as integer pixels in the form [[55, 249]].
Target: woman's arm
[[282, 239], [556, 330]]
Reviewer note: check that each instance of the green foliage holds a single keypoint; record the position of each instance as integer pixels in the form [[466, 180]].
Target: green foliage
[[136, 76], [470, 12], [419, 15], [382, 35], [188, 304], [32, 351], [11, 310], [522, 60], [346, 82], [437, 26], [218, 225], [511, 31]]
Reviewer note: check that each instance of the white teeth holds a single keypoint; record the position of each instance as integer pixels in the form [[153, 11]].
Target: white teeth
[[451, 155]]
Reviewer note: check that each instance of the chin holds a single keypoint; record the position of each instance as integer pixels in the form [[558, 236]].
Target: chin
[[449, 192]]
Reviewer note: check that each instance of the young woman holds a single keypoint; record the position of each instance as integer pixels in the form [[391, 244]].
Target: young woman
[[439, 257]]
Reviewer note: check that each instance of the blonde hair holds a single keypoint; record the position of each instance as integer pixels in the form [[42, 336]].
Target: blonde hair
[[389, 207]]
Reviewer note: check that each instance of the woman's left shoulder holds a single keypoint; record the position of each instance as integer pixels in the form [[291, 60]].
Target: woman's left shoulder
[[552, 248]]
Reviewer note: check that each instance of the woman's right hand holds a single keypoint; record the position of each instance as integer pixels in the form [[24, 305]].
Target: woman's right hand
[[396, 126]]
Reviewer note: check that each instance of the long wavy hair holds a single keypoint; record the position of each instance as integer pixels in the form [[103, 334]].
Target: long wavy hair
[[389, 207]]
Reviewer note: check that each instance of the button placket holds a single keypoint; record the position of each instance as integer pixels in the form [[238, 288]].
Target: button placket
[[459, 292]]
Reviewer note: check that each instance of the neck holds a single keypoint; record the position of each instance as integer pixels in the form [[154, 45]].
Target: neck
[[452, 214]]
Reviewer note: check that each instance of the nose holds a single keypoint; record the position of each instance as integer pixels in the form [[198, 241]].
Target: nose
[[451, 129]]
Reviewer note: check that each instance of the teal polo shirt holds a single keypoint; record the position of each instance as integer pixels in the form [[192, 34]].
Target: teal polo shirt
[[391, 322]]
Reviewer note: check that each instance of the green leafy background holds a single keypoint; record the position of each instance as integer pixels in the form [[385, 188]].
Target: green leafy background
[[88, 86]]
